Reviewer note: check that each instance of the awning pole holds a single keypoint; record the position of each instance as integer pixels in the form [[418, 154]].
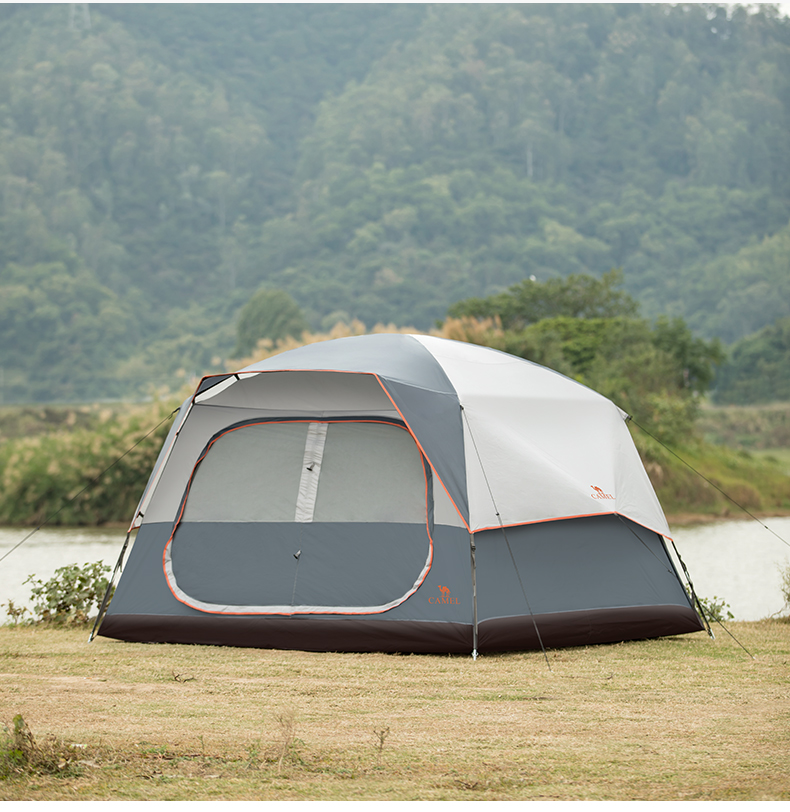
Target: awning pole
[[472, 549]]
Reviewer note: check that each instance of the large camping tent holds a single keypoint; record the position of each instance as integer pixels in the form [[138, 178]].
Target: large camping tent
[[398, 493]]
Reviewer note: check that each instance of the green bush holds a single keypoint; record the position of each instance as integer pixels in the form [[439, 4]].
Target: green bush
[[67, 597], [716, 609], [85, 476]]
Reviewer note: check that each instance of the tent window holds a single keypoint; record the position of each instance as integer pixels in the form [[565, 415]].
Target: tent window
[[372, 472], [249, 475], [310, 472]]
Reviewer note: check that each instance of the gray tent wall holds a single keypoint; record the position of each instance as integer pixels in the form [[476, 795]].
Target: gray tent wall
[[318, 501]]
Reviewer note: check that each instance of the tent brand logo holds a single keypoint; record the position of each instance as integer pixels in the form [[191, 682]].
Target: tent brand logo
[[444, 597], [599, 494]]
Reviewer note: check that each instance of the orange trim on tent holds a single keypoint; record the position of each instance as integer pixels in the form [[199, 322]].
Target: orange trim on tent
[[563, 518], [419, 445]]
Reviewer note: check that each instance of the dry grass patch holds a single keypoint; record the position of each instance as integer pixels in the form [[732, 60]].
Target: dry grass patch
[[676, 718]]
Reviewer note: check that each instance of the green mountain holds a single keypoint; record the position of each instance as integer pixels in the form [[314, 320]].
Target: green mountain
[[161, 163]]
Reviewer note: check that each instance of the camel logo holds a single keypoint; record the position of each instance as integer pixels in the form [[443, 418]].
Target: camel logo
[[599, 493], [444, 597]]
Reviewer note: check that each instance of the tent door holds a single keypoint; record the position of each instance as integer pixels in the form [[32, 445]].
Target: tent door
[[298, 517]]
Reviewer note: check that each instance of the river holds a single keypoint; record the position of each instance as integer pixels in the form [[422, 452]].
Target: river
[[737, 561]]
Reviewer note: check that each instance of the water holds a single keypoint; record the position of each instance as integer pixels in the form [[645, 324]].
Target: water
[[737, 561], [47, 550]]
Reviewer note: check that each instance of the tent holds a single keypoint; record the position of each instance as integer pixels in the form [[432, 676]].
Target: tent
[[398, 493]]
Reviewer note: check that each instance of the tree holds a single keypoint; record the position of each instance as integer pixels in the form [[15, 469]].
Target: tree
[[758, 369], [271, 314], [590, 330], [695, 359], [578, 296]]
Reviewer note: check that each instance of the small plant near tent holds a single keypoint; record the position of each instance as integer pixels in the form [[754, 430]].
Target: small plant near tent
[[14, 612], [254, 756], [381, 736], [69, 595], [286, 746], [785, 586], [716, 609], [21, 753]]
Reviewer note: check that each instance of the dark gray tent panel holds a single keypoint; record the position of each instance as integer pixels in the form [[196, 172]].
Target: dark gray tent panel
[[330, 498]]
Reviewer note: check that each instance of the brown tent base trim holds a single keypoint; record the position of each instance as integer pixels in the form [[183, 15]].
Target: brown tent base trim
[[588, 627], [365, 634]]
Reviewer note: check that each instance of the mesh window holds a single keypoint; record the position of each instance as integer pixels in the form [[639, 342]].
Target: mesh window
[[371, 472], [250, 474], [366, 472]]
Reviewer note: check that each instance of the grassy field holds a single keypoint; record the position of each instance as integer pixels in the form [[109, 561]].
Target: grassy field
[[679, 718], [759, 427], [779, 455]]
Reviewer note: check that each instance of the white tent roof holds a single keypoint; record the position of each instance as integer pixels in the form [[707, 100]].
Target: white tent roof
[[540, 446]]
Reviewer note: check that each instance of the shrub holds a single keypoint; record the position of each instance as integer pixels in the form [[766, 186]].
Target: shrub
[[20, 753], [14, 612], [82, 476], [716, 609], [67, 597]]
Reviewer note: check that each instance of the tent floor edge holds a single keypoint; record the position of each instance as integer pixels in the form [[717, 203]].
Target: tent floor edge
[[587, 627], [295, 633], [561, 629]]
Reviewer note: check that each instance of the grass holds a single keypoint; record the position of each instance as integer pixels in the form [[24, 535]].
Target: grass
[[679, 718], [753, 428], [779, 456], [743, 450]]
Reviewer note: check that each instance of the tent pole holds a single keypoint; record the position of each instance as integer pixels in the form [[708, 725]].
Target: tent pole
[[512, 557], [694, 599], [472, 549], [106, 599]]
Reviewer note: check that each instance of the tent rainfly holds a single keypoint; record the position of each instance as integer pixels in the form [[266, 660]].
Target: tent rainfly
[[398, 493]]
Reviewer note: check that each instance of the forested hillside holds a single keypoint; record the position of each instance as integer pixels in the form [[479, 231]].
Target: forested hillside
[[159, 164]]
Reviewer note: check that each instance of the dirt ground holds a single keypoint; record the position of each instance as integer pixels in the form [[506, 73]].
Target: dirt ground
[[675, 718]]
